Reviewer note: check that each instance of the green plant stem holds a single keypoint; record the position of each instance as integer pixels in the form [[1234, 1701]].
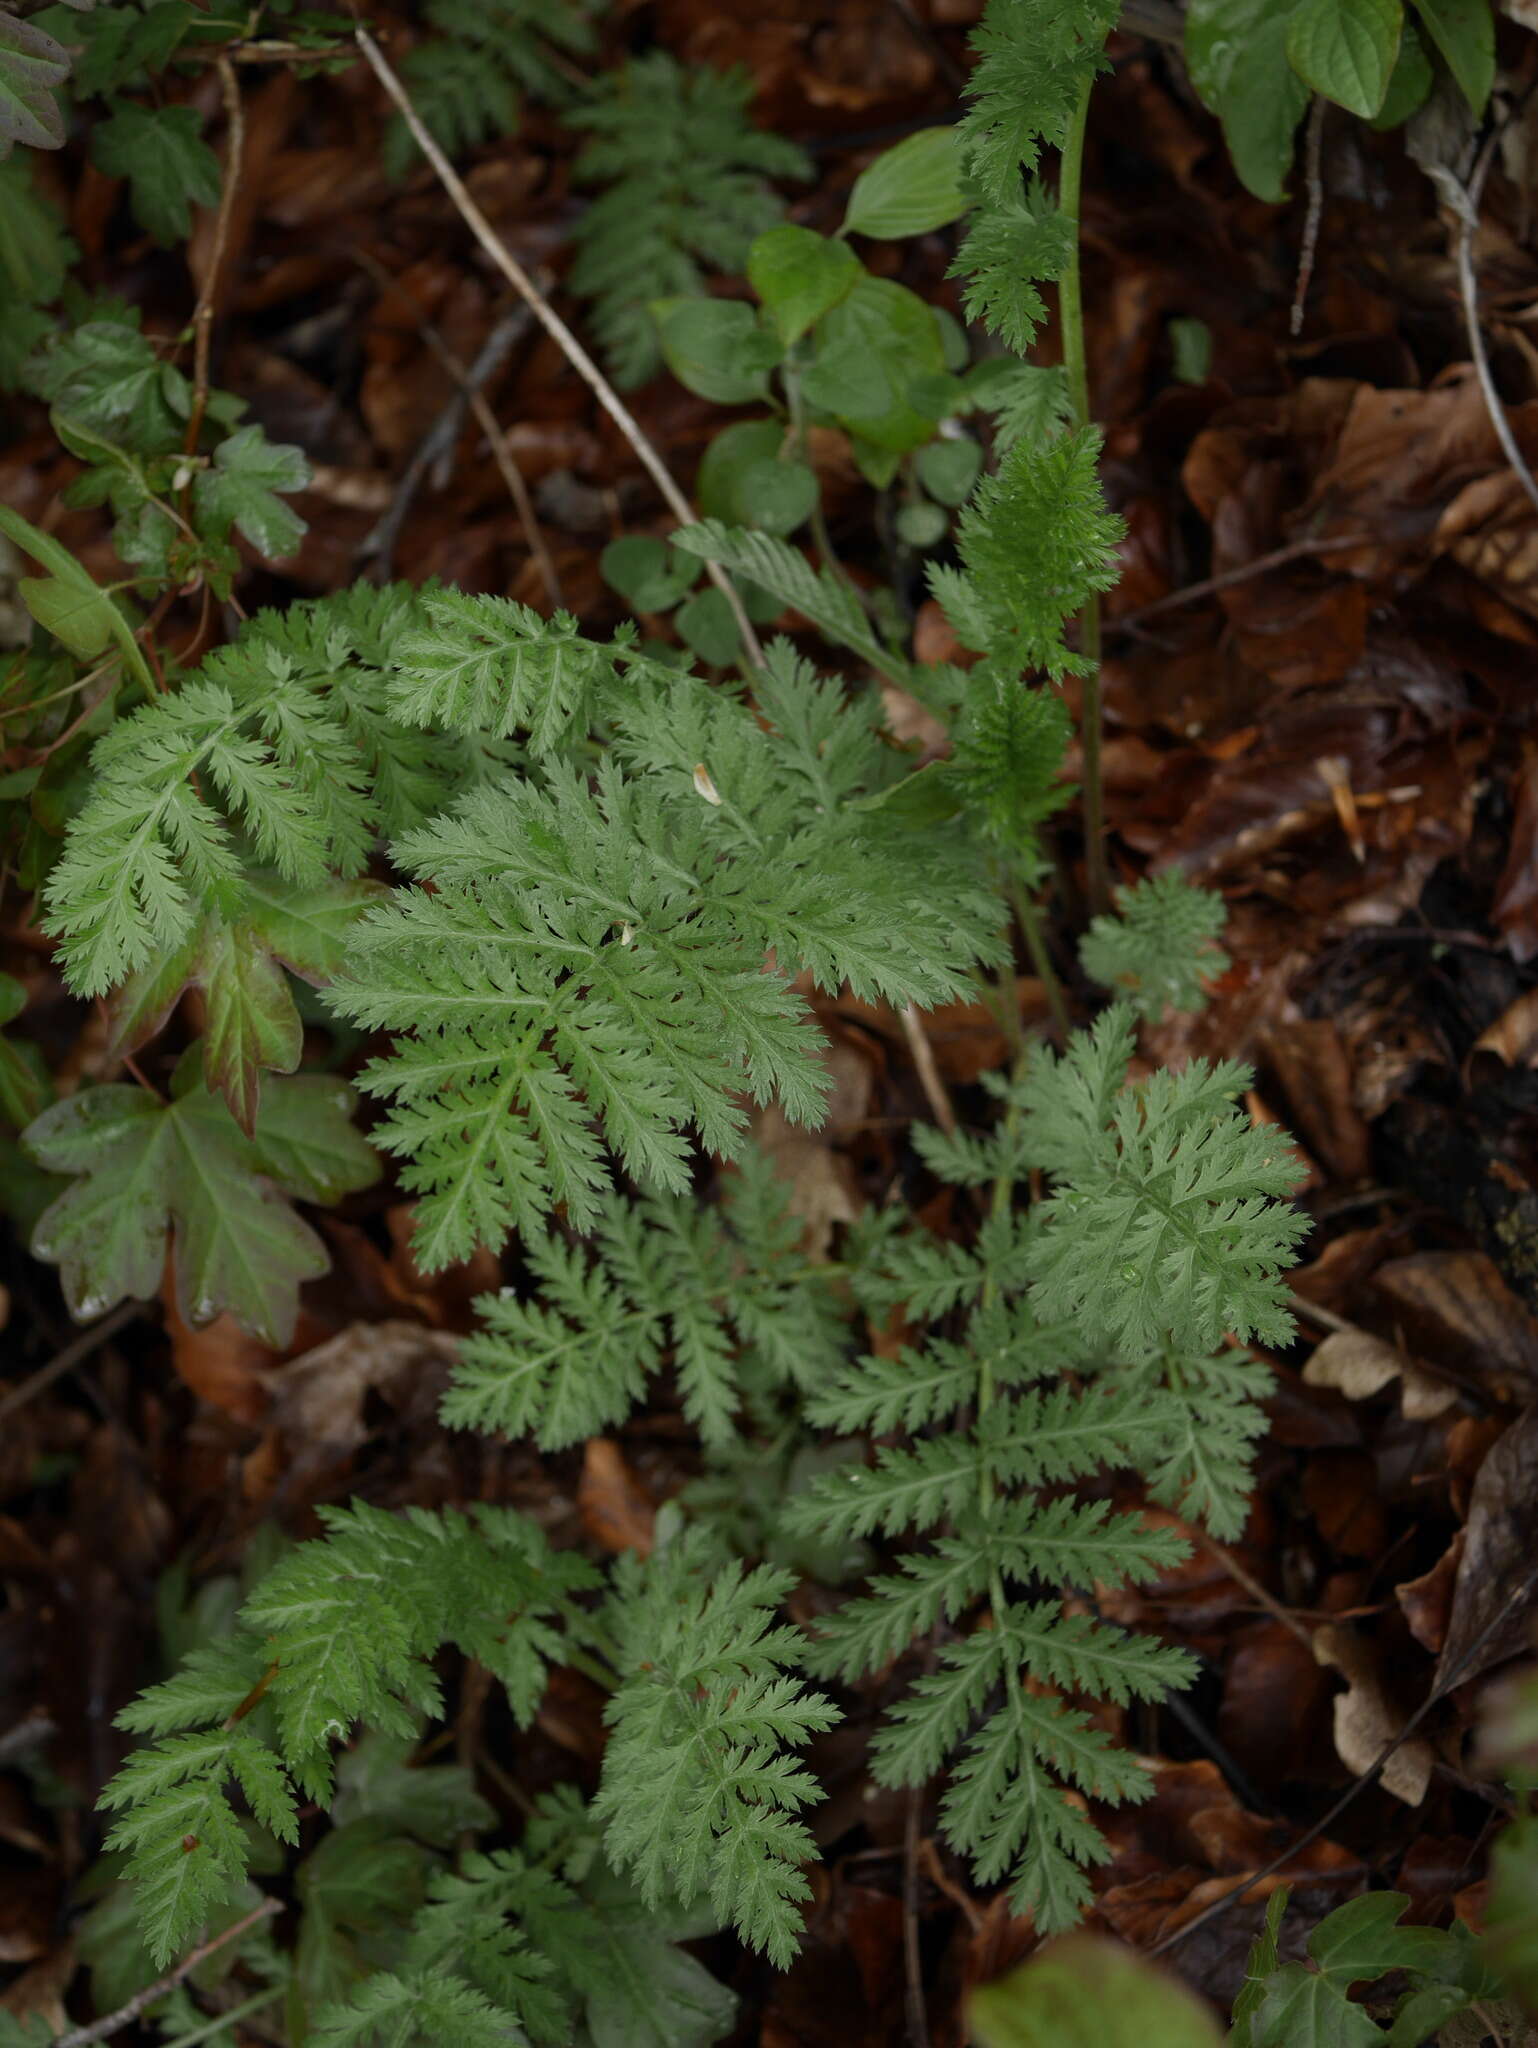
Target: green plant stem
[[1070, 302], [590, 1667], [1036, 946], [826, 552], [222, 2020]]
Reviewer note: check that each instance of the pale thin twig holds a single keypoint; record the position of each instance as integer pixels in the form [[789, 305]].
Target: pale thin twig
[[1466, 206], [1313, 143], [929, 1073], [203, 317], [556, 328], [442, 435], [1257, 1592], [103, 2029], [518, 491]]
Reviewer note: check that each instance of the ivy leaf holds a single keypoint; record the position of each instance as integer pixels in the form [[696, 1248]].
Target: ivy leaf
[[240, 489], [252, 1020], [1361, 1939], [31, 65], [1301, 2009], [168, 165], [1464, 33], [1346, 49], [145, 1167], [107, 377], [799, 276], [1086, 1992], [1261, 1964], [909, 190]]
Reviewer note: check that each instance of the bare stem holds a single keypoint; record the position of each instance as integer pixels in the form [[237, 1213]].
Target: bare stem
[[114, 2023], [1466, 206], [1070, 304], [203, 317]]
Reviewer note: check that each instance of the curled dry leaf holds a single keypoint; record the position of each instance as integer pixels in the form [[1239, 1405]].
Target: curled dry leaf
[[1455, 1308], [1513, 1037], [1498, 1572], [1426, 1602], [1359, 1365], [1365, 1720], [617, 1511], [318, 1399]]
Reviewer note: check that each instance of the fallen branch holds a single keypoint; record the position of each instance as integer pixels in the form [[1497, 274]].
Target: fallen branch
[[1464, 201], [103, 2029], [439, 439], [556, 328]]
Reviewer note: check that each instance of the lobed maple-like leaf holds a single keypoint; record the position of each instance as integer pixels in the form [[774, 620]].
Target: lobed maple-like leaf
[[253, 1023], [144, 1168]]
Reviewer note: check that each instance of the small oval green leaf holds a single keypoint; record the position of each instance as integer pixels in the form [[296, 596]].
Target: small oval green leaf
[[1236, 51], [798, 276], [910, 189], [778, 495], [715, 347], [1464, 33], [1346, 49]]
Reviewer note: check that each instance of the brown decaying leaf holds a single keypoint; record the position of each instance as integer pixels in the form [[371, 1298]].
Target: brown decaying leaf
[[318, 1398], [1455, 1308], [617, 1511], [1499, 1567], [1365, 1720], [824, 1191], [1309, 1060], [1359, 1365], [1426, 1602]]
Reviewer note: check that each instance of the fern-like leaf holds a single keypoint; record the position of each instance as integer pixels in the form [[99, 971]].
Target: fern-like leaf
[[1037, 542], [717, 1290], [611, 942], [278, 752], [818, 594], [1168, 1217], [1160, 947], [685, 176], [700, 1792], [468, 75]]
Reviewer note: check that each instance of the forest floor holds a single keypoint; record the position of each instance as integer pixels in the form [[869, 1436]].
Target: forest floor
[[1319, 701]]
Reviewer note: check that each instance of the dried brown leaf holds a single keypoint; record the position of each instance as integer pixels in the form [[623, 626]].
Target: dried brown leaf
[[1365, 1720]]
